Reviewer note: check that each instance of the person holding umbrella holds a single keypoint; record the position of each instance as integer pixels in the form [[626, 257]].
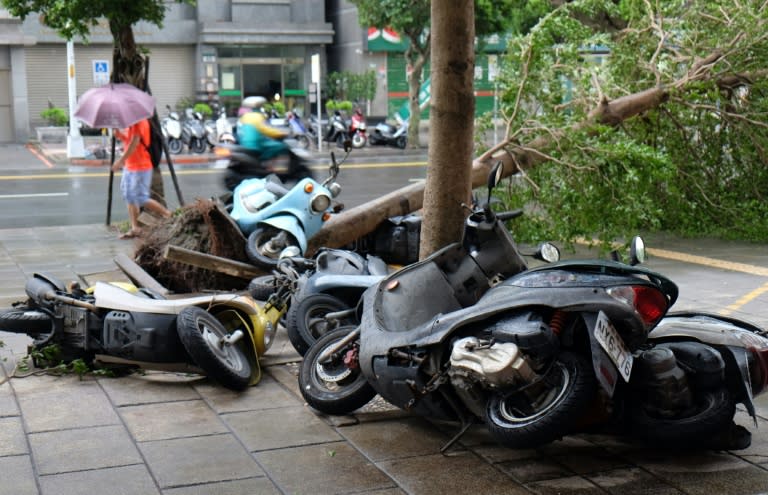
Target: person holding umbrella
[[137, 175], [124, 106]]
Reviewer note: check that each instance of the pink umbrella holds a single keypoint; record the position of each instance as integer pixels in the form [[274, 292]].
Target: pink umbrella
[[117, 105]]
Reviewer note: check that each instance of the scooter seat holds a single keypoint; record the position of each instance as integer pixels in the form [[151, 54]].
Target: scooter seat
[[109, 296]]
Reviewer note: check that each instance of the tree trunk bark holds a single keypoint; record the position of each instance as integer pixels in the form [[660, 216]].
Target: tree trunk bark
[[452, 110], [417, 62]]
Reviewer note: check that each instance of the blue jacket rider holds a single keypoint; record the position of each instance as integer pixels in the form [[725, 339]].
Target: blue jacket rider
[[253, 131]]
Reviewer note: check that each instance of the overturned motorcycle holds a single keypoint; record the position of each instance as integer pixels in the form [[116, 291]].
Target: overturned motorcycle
[[221, 335], [471, 334]]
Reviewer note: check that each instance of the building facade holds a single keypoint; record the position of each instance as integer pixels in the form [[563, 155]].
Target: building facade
[[215, 51]]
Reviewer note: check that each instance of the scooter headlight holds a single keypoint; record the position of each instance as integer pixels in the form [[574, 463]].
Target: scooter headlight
[[320, 203]]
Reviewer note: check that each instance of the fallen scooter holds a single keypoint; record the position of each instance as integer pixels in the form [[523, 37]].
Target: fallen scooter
[[276, 219], [470, 334], [221, 335]]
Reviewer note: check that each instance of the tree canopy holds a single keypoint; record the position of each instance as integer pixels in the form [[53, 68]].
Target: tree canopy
[[627, 116]]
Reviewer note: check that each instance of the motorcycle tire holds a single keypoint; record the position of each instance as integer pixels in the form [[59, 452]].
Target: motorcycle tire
[[712, 414], [373, 139], [305, 321], [259, 250], [358, 140], [197, 146], [175, 146], [25, 320], [260, 288], [201, 334], [302, 141], [401, 142], [515, 421], [333, 388]]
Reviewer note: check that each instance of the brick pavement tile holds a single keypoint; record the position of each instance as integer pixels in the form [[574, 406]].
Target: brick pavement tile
[[459, 473], [171, 420], [12, 439], [56, 403], [328, 468], [268, 394], [632, 481], [384, 440], [8, 405], [279, 428], [17, 476], [147, 388], [535, 469], [251, 486], [124, 480], [572, 485], [703, 472], [84, 448], [190, 461]]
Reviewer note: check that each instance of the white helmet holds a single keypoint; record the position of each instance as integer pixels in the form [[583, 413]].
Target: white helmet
[[254, 102]]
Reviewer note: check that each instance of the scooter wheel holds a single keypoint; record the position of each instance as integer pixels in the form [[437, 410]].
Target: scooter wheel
[[197, 146], [358, 140], [25, 320], [175, 146], [305, 322], [545, 411], [205, 339], [333, 387], [262, 287], [711, 414], [265, 244], [401, 142]]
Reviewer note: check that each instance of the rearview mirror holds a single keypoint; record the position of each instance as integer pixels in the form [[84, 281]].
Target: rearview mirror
[[637, 254]]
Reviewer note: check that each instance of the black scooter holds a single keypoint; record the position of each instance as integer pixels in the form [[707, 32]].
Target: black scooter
[[470, 334]]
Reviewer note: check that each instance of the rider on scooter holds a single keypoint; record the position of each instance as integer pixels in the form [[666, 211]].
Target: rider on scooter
[[254, 133]]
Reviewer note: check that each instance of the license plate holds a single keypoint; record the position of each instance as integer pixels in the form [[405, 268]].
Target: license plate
[[613, 345]]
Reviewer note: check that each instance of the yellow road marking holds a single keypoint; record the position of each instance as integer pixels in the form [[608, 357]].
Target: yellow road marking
[[710, 262]]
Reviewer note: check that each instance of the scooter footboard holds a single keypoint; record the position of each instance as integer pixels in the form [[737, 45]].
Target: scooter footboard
[[290, 224]]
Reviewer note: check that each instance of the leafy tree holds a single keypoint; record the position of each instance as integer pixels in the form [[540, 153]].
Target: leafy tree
[[665, 129], [75, 18], [411, 19]]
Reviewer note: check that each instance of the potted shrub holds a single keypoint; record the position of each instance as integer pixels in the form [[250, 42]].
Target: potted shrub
[[56, 130]]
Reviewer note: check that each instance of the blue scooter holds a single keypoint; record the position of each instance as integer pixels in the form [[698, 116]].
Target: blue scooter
[[279, 221]]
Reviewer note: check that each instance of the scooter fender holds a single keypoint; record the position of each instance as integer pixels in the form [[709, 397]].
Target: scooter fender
[[290, 224], [728, 336]]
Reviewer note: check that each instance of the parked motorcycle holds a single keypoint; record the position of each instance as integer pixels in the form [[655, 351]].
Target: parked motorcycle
[[221, 335], [357, 129], [219, 131], [470, 334], [172, 131], [333, 281], [337, 130], [193, 131], [277, 219], [387, 134], [298, 130]]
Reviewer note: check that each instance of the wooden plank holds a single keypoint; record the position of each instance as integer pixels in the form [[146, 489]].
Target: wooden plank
[[138, 275], [211, 262]]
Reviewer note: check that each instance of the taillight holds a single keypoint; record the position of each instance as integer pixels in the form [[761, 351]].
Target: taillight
[[648, 302], [757, 359]]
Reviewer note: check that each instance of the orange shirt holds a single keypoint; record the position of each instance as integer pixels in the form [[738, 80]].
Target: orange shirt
[[139, 160]]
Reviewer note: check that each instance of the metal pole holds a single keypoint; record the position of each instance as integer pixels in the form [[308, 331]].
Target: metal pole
[[75, 147], [173, 172], [111, 180]]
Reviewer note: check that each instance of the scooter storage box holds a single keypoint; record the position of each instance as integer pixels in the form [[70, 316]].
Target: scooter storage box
[[143, 337], [397, 240]]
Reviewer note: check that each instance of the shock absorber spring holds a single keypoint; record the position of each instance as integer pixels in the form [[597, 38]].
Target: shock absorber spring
[[558, 321]]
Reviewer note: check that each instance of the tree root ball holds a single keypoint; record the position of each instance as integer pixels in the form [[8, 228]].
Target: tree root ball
[[204, 226]]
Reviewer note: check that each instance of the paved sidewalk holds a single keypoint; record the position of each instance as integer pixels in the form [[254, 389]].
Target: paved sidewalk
[[174, 434]]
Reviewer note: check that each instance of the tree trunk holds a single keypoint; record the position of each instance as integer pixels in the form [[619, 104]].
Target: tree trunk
[[452, 110]]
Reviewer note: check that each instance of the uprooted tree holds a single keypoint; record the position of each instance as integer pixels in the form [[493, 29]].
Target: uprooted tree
[[625, 116]]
